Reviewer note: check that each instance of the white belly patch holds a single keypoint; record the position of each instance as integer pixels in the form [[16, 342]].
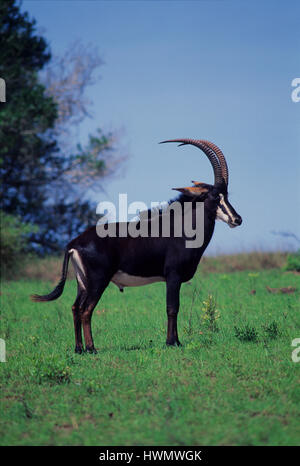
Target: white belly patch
[[122, 279]]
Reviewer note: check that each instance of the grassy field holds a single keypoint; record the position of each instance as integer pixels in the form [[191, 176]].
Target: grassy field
[[232, 382]]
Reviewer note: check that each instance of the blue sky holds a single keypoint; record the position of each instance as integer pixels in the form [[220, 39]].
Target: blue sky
[[216, 70]]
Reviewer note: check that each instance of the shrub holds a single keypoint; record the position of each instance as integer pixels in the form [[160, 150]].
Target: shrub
[[293, 262], [271, 330], [14, 242], [51, 369], [246, 333], [210, 313]]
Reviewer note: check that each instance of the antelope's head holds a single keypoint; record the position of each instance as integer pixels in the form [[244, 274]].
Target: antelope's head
[[214, 196]]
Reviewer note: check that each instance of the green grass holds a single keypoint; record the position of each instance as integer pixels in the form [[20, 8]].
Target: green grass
[[232, 383]]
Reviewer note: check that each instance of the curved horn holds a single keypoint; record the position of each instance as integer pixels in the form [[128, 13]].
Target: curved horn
[[221, 158], [209, 152]]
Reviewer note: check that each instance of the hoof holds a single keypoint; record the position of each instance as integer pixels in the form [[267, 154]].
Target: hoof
[[91, 350], [173, 343], [78, 350]]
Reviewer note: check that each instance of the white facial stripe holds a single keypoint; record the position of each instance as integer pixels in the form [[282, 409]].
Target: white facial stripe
[[221, 215], [228, 214]]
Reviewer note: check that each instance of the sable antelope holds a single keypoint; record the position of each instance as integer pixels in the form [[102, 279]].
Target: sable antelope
[[136, 261]]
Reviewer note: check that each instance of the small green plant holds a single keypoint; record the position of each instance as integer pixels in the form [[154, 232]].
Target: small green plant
[[210, 313], [52, 369], [293, 262], [246, 333], [271, 330]]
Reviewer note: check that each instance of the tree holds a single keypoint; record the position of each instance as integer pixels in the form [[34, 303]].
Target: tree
[[66, 79], [43, 179], [26, 149]]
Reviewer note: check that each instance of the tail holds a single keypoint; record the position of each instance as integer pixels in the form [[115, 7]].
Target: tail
[[57, 292]]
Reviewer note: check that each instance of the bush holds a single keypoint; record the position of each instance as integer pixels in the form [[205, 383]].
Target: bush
[[50, 369], [14, 242], [271, 330], [246, 333], [293, 262], [210, 313]]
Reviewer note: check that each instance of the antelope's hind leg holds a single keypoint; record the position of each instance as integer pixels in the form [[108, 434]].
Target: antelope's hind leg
[[86, 310], [77, 324], [83, 308], [91, 282], [90, 298]]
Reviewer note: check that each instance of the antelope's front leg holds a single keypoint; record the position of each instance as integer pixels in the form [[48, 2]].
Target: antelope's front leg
[[173, 292]]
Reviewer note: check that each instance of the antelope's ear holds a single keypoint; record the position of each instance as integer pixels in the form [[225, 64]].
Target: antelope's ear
[[193, 190]]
